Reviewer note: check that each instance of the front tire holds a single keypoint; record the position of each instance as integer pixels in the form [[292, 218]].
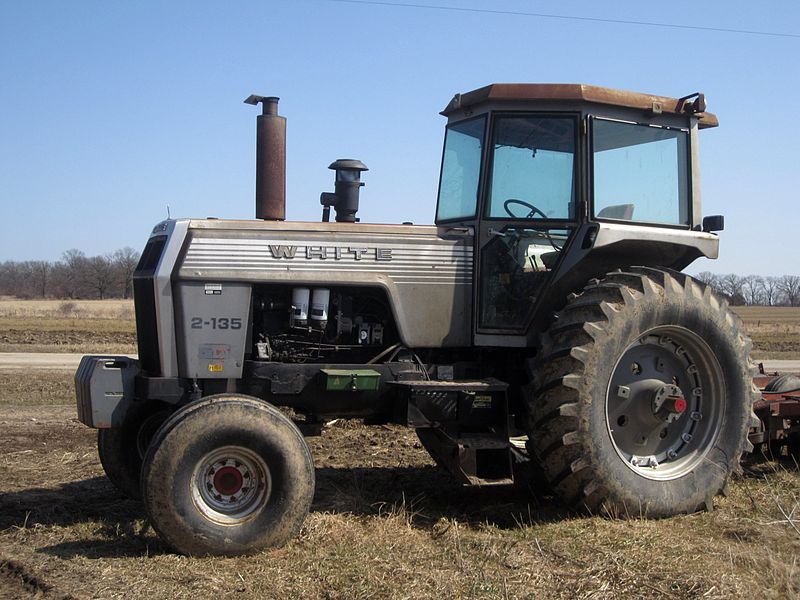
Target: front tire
[[121, 449], [643, 396], [227, 475]]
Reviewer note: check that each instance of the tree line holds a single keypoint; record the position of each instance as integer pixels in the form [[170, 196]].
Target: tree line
[[74, 276], [755, 290], [111, 276]]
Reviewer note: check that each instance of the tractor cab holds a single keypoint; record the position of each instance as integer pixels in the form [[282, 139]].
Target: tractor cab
[[543, 173]]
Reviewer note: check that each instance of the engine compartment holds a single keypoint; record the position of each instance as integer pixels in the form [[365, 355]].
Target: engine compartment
[[299, 324]]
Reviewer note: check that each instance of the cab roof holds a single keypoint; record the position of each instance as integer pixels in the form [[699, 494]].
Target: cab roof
[[577, 92]]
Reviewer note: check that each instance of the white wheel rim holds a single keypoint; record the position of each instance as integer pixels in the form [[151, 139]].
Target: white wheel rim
[[230, 485]]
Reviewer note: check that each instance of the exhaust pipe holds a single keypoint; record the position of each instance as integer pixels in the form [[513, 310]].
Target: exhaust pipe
[[270, 159]]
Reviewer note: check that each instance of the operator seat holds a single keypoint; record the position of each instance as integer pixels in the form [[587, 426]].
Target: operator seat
[[623, 212]]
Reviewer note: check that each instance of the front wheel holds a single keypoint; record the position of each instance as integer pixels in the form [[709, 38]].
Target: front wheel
[[643, 396], [227, 475], [121, 449]]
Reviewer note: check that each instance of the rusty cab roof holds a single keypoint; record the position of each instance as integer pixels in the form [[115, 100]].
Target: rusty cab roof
[[549, 93]]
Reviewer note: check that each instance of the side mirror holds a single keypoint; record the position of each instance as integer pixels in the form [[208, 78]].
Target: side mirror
[[713, 223]]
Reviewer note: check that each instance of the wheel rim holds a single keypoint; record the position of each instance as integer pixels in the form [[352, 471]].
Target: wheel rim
[[665, 403], [231, 484]]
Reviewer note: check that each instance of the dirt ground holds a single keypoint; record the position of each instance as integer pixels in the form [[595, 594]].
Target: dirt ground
[[60, 334], [385, 523]]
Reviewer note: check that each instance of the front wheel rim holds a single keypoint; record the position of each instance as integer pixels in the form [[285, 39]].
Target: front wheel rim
[[665, 403], [230, 485]]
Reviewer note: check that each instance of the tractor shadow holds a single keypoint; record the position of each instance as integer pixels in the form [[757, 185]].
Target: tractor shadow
[[99, 522], [102, 523], [428, 494], [108, 524]]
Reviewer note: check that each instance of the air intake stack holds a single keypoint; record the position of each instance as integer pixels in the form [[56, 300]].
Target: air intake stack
[[270, 159], [348, 184]]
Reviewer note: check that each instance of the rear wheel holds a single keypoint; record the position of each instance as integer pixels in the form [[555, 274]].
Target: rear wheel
[[643, 397], [227, 475]]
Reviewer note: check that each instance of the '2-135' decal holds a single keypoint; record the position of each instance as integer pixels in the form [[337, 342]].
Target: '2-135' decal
[[216, 323]]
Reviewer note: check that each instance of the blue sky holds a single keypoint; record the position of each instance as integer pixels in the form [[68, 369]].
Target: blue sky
[[110, 111]]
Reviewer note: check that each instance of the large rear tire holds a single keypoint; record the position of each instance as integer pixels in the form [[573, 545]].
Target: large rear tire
[[643, 396], [227, 475]]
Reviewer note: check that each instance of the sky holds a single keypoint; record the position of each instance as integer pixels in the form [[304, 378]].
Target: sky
[[114, 113]]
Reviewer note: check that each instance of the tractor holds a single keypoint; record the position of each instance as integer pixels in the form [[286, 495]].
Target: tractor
[[541, 331]]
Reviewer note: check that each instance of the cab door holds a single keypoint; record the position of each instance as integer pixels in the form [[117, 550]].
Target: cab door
[[528, 210]]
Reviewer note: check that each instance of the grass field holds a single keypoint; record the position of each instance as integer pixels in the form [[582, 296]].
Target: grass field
[[107, 326], [82, 326], [65, 309], [775, 330]]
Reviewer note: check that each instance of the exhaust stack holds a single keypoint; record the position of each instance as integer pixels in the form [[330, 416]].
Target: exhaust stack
[[270, 159]]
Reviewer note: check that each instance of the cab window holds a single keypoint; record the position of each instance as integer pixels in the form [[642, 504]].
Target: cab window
[[533, 168], [461, 169], [641, 173]]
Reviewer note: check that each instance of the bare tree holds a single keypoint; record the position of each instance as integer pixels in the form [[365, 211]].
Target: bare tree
[[13, 278], [100, 275], [72, 272], [753, 289], [770, 290], [789, 286], [709, 278], [125, 260], [733, 286], [40, 270]]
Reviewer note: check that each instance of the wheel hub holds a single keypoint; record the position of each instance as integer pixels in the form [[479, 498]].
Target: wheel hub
[[658, 429], [229, 480], [668, 403]]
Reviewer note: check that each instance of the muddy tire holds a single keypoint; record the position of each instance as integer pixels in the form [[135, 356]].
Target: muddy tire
[[643, 396], [227, 475], [122, 449]]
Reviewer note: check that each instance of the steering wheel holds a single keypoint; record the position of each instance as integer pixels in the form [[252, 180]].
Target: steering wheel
[[531, 208]]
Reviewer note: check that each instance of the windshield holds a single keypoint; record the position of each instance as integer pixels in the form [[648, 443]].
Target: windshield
[[533, 168]]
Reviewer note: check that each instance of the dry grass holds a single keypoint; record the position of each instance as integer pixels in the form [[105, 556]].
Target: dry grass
[[36, 388], [769, 315], [775, 330], [384, 524], [74, 309], [80, 326]]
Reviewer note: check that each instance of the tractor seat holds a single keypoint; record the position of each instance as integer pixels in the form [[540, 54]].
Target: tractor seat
[[624, 212]]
